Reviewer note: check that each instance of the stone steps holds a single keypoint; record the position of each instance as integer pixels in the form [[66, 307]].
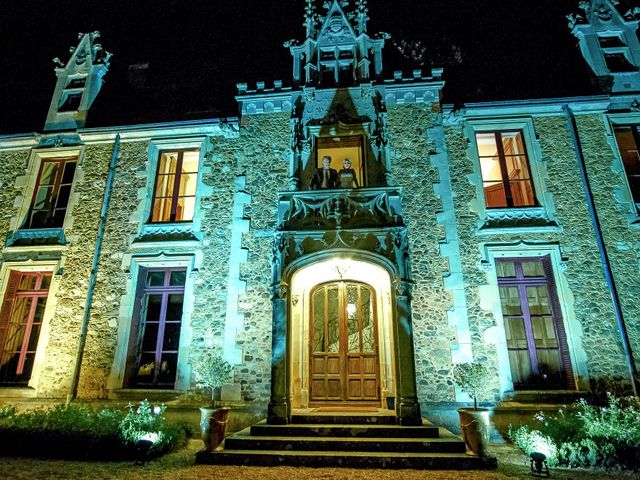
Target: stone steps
[[320, 459], [245, 441], [343, 430], [347, 440]]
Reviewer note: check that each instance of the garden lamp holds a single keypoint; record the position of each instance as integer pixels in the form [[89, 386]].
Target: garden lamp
[[539, 467]]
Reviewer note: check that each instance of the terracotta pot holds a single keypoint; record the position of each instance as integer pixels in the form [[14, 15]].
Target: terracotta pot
[[213, 425], [476, 430]]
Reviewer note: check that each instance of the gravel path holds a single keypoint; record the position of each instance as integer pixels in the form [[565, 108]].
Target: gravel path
[[179, 466]]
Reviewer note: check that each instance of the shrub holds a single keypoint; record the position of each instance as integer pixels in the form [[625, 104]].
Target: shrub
[[473, 379], [79, 432], [586, 436], [211, 371]]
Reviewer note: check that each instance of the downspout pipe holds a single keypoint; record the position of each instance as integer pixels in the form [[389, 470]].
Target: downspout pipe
[[73, 386], [606, 265]]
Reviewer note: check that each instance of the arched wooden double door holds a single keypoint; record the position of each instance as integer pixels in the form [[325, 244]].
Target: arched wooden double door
[[344, 362]]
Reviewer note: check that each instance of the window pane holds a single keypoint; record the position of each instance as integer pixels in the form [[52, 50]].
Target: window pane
[[174, 307], [43, 198], [490, 167], [155, 278], [46, 282], [164, 185], [333, 324], [63, 197], [178, 277], [368, 334], [520, 363], [154, 303], [522, 193], [538, 298], [505, 269], [146, 368], [168, 163], [517, 167], [185, 209], [510, 299], [27, 283], [188, 183], [532, 269], [161, 210], [512, 143], [515, 332], [69, 170], [168, 367], [150, 337], [486, 144], [494, 195], [190, 162], [353, 329], [49, 173], [625, 139], [318, 321], [171, 338]]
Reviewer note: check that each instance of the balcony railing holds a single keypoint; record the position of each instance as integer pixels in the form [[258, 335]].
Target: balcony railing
[[340, 209]]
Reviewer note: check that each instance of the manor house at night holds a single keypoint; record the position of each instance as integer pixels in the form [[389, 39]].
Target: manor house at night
[[343, 243]]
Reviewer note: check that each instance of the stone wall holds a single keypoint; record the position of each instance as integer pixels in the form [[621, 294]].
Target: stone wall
[[260, 155], [412, 170], [576, 239], [608, 184]]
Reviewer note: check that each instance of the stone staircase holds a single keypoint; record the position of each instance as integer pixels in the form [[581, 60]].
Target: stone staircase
[[346, 440]]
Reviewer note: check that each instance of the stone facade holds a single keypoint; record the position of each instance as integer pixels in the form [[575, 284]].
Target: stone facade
[[421, 220]]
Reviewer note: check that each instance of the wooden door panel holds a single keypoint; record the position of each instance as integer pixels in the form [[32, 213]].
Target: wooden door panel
[[351, 373]]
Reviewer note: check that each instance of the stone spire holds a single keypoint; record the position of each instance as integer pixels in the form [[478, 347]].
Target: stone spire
[[609, 43], [337, 49], [78, 84], [362, 15]]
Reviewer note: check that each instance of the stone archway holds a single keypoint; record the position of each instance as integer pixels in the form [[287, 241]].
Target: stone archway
[[339, 269]]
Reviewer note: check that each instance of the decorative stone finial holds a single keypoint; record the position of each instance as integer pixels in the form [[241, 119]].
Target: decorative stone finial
[[361, 16]]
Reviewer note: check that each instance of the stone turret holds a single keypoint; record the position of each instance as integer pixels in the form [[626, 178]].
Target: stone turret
[[79, 81], [337, 50], [609, 43]]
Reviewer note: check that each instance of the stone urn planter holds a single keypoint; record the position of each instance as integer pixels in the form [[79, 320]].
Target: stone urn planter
[[475, 426], [213, 426], [476, 430]]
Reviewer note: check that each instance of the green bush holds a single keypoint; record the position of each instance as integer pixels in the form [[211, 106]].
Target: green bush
[[79, 432], [585, 435]]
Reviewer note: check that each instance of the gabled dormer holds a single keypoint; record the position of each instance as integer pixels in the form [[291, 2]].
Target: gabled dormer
[[79, 81], [609, 43], [337, 51]]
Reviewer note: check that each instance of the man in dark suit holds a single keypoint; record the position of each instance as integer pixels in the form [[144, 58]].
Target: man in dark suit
[[326, 177]]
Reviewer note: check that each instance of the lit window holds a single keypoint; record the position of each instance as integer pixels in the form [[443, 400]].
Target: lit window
[[628, 142], [506, 178], [536, 339], [157, 321], [174, 196], [20, 324], [347, 160], [51, 194]]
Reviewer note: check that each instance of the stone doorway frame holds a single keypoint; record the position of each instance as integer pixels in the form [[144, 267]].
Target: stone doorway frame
[[280, 405], [308, 277]]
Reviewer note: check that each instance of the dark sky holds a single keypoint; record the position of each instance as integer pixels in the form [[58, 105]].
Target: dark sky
[[198, 50]]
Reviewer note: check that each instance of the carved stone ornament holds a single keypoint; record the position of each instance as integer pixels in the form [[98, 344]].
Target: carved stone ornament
[[635, 106], [403, 288], [487, 266], [279, 290], [342, 210]]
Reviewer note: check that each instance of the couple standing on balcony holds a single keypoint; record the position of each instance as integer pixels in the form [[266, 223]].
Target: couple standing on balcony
[[327, 178]]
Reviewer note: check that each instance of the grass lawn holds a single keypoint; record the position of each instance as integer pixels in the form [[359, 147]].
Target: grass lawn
[[180, 465]]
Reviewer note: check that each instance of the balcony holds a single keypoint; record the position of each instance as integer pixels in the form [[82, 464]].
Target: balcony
[[340, 209]]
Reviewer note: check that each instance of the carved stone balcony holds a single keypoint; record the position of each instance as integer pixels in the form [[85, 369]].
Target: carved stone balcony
[[340, 209]]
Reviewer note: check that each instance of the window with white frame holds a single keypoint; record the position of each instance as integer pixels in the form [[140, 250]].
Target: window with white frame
[[152, 360], [509, 176], [174, 193]]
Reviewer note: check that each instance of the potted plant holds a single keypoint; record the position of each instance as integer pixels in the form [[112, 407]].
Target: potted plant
[[211, 372], [473, 379]]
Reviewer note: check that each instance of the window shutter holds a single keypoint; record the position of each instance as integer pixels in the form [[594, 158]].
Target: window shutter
[[561, 333], [131, 365], [7, 304]]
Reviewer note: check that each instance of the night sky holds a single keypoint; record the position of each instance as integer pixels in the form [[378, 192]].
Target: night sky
[[197, 51]]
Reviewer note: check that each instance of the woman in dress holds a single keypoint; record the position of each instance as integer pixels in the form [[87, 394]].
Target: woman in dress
[[347, 175]]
